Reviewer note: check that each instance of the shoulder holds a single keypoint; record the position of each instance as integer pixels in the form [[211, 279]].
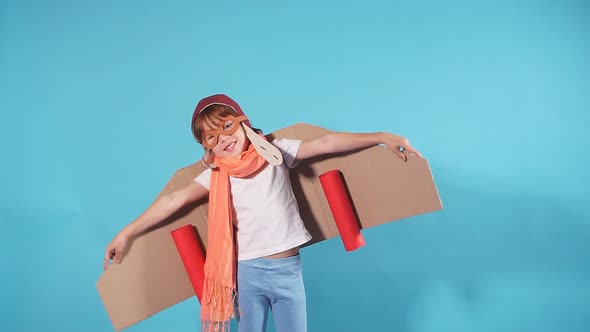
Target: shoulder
[[204, 178], [289, 149], [286, 143], [206, 172]]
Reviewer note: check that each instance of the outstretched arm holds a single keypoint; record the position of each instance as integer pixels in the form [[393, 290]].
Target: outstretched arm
[[341, 142], [161, 209]]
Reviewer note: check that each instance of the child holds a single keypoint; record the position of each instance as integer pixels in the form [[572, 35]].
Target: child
[[253, 198]]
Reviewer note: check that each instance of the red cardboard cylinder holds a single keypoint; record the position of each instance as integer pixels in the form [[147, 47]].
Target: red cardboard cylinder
[[341, 207], [189, 247]]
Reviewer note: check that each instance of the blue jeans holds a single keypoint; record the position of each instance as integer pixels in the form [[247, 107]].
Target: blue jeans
[[275, 284]]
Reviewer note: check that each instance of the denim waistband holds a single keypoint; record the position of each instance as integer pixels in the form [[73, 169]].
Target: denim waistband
[[271, 262]]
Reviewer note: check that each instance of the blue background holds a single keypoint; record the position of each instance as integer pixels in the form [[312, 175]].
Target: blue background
[[96, 98]]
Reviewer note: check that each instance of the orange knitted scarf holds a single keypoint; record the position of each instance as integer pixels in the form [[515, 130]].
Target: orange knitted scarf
[[219, 287]]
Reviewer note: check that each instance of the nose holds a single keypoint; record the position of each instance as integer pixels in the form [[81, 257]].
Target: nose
[[223, 137]]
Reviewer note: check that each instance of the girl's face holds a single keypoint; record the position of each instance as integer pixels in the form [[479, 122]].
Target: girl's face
[[228, 145]]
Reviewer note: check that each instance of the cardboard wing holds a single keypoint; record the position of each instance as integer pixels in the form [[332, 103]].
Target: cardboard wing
[[382, 188]]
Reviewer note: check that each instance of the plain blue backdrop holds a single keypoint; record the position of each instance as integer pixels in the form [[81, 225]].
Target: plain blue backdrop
[[96, 99]]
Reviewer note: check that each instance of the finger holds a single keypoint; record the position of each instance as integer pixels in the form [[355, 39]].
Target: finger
[[401, 155], [118, 256], [107, 257], [411, 150]]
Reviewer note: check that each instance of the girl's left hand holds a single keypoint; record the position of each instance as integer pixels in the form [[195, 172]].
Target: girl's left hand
[[400, 146]]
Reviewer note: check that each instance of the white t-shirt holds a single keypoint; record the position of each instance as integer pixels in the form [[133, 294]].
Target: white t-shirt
[[266, 214]]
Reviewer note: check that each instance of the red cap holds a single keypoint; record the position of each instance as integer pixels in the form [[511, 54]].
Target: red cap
[[216, 99]]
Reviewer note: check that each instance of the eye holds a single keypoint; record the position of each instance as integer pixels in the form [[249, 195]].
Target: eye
[[227, 125], [208, 138]]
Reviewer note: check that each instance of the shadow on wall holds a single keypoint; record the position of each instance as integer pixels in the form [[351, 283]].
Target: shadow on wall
[[486, 262]]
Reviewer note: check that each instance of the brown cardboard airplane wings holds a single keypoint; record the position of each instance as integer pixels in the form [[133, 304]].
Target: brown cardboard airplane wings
[[382, 188]]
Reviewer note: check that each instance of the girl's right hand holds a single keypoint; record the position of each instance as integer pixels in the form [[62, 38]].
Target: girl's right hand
[[115, 249]]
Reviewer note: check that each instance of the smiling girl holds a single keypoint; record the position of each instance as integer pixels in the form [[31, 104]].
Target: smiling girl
[[254, 227]]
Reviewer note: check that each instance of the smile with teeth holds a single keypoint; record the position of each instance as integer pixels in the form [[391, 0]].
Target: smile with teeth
[[230, 146]]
